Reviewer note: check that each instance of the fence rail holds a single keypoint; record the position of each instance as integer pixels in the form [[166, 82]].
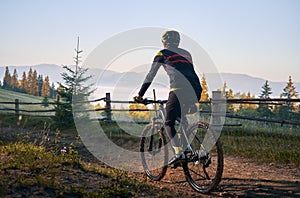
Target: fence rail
[[108, 107]]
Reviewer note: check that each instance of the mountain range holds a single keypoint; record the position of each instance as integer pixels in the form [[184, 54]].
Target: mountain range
[[242, 83]]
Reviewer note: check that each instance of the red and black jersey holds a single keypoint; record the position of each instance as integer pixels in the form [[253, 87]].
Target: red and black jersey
[[178, 64]]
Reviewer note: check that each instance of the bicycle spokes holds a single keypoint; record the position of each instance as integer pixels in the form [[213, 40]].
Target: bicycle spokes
[[204, 169]]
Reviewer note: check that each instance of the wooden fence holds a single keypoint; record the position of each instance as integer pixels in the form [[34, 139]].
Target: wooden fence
[[216, 99]]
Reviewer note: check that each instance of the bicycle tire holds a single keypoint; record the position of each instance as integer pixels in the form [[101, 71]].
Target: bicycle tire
[[153, 150], [194, 173]]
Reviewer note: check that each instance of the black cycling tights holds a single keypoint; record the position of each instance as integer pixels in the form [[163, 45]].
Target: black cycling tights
[[173, 111]]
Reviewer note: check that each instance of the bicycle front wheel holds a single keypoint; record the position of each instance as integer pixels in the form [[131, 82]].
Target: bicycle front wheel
[[154, 151], [203, 170]]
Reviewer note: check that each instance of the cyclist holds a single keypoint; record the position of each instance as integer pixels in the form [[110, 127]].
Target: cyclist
[[185, 88]]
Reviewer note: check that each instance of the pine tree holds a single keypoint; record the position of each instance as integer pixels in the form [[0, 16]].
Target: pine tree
[[249, 96], [264, 110], [46, 87], [266, 91], [229, 95], [290, 90], [14, 83], [6, 79], [24, 83], [40, 84], [45, 102], [52, 91], [72, 91], [29, 88], [204, 94], [34, 87], [286, 111]]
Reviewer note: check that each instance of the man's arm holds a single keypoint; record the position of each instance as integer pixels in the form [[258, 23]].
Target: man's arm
[[158, 61]]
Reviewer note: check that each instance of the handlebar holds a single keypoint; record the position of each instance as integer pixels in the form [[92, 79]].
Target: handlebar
[[147, 101]]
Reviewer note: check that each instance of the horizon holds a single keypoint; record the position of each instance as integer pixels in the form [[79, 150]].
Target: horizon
[[257, 38], [116, 82], [200, 75]]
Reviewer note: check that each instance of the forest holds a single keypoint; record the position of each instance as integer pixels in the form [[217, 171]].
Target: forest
[[30, 83]]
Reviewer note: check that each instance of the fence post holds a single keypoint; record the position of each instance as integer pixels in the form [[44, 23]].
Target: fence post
[[57, 99], [108, 107], [17, 107], [217, 110]]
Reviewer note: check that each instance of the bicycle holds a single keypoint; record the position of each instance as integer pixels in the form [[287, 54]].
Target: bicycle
[[203, 170]]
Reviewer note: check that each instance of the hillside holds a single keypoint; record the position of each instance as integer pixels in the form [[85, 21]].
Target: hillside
[[10, 96]]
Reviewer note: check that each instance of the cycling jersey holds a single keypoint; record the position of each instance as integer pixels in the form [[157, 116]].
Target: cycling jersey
[[178, 64]]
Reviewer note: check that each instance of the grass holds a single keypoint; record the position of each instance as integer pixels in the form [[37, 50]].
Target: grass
[[27, 122], [272, 144], [262, 146], [27, 168], [10, 96]]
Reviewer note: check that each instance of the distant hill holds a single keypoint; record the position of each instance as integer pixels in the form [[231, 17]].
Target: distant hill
[[237, 82]]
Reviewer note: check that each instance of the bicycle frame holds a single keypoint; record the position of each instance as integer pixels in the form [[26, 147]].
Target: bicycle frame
[[160, 113]]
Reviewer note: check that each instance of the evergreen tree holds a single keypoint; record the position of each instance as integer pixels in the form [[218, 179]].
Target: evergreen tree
[[14, 83], [264, 110], [45, 102], [249, 96], [229, 95], [6, 79], [72, 90], [285, 111], [34, 86], [52, 91], [266, 91], [29, 88], [204, 94], [46, 87], [24, 83], [40, 84], [289, 91]]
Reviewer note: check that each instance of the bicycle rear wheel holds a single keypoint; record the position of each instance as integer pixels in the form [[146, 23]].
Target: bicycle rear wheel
[[154, 152], [203, 171]]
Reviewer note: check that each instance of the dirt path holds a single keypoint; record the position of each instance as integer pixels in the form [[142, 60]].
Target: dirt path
[[240, 179]]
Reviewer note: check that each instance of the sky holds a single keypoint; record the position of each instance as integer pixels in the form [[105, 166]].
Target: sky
[[259, 37]]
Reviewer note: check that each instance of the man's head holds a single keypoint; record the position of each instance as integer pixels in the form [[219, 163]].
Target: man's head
[[170, 38]]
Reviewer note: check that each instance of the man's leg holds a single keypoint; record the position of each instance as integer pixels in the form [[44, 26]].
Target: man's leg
[[173, 111]]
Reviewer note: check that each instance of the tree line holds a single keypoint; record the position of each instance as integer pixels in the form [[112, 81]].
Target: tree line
[[31, 83], [284, 111]]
